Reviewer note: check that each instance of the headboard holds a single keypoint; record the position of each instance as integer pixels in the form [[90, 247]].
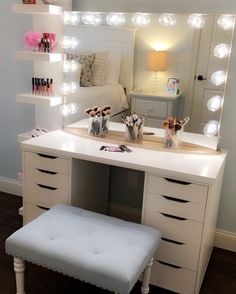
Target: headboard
[[97, 39]]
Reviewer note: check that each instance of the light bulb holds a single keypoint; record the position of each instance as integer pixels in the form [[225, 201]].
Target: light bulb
[[215, 103], [167, 19], [64, 110], [74, 87], [67, 42], [226, 22], [141, 19], [221, 50], [116, 19], [218, 77], [73, 108], [69, 66], [196, 21], [92, 18], [71, 18], [65, 89], [211, 128]]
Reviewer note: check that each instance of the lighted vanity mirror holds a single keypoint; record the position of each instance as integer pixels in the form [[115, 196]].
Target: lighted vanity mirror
[[198, 57]]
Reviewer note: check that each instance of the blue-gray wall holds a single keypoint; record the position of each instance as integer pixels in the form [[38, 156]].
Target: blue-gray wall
[[15, 118]]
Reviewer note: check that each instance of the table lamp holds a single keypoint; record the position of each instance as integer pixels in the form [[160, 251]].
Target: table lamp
[[156, 61]]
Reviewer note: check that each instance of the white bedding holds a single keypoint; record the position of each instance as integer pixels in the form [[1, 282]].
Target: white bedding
[[90, 96]]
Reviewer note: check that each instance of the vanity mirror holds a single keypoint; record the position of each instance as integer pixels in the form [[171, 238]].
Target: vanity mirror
[[197, 48]]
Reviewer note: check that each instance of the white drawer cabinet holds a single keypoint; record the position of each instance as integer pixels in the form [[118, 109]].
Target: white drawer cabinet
[[45, 182], [177, 208]]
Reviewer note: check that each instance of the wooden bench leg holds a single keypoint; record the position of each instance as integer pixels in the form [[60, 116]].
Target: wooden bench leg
[[19, 268], [146, 277]]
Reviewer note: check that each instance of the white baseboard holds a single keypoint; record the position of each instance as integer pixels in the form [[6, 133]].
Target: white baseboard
[[124, 212], [225, 240], [11, 186]]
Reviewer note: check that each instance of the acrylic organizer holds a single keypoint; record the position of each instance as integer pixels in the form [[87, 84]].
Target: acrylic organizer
[[134, 127]]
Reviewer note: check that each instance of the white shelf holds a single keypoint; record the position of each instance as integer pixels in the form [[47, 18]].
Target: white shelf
[[39, 100], [38, 56], [23, 137], [36, 9]]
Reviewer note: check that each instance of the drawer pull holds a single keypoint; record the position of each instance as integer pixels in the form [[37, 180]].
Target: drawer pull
[[177, 181], [172, 241], [46, 156], [46, 187], [168, 264], [175, 199], [42, 207], [46, 171], [173, 216]]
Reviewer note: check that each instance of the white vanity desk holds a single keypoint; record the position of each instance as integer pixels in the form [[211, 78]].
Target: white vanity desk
[[180, 196]]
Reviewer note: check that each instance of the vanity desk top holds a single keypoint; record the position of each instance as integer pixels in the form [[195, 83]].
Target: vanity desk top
[[200, 168]]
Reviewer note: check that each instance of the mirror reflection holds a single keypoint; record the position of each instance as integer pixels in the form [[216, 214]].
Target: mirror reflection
[[179, 65]]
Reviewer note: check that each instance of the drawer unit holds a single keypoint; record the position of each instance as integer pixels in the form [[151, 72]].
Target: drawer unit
[[150, 108], [46, 162], [174, 278], [32, 211]]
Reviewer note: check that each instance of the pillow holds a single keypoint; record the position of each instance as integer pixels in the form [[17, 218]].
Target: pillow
[[87, 65], [113, 68], [100, 67]]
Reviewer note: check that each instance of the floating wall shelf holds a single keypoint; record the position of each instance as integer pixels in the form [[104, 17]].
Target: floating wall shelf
[[36, 9], [38, 56], [39, 100]]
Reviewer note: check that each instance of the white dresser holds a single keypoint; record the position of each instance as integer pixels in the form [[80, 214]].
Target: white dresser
[[181, 195]]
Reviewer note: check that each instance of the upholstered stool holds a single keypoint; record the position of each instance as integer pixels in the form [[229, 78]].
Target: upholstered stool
[[98, 249]]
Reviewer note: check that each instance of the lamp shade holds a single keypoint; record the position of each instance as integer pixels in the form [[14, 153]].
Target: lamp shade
[[156, 60]]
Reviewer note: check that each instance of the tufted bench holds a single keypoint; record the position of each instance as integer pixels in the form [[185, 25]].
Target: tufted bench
[[98, 249]]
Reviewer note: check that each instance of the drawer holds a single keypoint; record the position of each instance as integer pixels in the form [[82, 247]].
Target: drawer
[[173, 278], [47, 162], [38, 176], [32, 211], [175, 206], [177, 253], [177, 188], [150, 108], [45, 195], [174, 228]]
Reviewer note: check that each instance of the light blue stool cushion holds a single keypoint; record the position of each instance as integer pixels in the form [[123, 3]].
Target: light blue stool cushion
[[99, 249]]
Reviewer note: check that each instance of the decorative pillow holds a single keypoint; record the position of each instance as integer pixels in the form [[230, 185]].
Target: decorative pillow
[[87, 65], [113, 68], [100, 67]]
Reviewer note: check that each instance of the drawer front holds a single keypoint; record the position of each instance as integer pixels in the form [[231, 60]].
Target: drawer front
[[150, 108], [47, 162], [176, 188], [38, 176], [32, 211], [175, 206], [45, 195], [179, 254], [182, 230], [175, 279]]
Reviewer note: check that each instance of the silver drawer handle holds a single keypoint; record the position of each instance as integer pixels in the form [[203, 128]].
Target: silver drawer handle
[[177, 181], [174, 216], [175, 199], [46, 171], [169, 264], [172, 241], [46, 156], [46, 187]]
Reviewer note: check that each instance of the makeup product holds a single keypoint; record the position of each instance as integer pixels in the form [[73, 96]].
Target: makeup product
[[51, 87], [33, 85]]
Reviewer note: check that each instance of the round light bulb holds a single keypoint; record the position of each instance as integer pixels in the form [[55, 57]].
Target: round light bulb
[[73, 108], [65, 89], [92, 18], [64, 110], [196, 21], [69, 66], [67, 42], [218, 77], [226, 22], [116, 19], [222, 50], [215, 103], [74, 87], [211, 128], [167, 19], [141, 19], [71, 18]]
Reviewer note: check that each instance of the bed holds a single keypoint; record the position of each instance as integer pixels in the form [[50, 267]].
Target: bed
[[117, 46]]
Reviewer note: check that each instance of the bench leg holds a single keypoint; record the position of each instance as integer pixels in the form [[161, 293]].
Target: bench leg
[[19, 268], [146, 277]]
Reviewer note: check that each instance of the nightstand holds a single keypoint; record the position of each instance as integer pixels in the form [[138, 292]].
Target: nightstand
[[155, 106]]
